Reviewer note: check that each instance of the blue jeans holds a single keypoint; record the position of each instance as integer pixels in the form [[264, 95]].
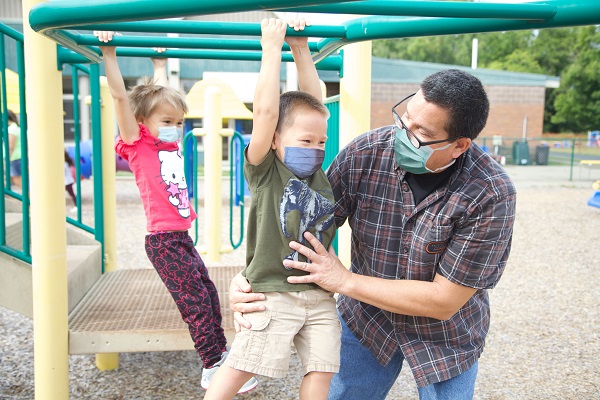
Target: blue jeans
[[362, 377]]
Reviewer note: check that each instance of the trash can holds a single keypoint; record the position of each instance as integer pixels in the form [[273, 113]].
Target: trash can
[[541, 154], [520, 153]]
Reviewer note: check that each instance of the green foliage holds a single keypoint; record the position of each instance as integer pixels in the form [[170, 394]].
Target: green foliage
[[578, 100], [572, 53]]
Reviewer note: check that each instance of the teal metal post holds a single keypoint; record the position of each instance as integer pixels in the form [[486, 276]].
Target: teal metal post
[[24, 152], [4, 114], [6, 157], [77, 137], [97, 156], [240, 182]]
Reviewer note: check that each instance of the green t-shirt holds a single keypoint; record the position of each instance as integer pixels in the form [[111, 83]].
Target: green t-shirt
[[15, 130], [283, 208]]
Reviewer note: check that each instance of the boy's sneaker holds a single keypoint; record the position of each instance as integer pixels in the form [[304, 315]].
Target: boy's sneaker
[[207, 374]]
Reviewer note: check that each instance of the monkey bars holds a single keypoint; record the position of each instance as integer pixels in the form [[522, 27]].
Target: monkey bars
[[384, 19]]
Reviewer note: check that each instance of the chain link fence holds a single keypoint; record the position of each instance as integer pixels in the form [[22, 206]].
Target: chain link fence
[[582, 155]]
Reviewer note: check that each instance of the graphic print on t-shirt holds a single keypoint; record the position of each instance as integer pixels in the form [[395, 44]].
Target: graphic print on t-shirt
[[171, 171], [314, 210]]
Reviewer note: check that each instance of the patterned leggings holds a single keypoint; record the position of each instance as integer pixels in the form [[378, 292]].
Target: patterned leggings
[[183, 272]]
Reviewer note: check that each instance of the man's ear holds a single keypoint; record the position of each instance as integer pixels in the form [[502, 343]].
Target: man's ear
[[462, 145]]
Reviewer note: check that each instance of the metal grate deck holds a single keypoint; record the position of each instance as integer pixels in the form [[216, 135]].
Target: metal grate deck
[[130, 310]]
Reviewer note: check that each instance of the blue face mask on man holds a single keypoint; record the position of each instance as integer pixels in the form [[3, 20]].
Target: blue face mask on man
[[414, 160], [169, 133], [303, 162]]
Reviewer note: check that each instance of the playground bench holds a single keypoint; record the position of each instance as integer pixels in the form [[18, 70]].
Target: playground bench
[[589, 164]]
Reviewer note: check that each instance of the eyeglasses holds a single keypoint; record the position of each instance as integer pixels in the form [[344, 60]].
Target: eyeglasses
[[414, 140]]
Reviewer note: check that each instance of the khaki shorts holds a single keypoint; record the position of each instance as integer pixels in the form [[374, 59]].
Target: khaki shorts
[[308, 319]]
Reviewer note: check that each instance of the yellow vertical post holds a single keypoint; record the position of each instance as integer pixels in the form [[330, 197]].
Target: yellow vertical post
[[108, 361], [213, 150], [355, 112], [48, 233]]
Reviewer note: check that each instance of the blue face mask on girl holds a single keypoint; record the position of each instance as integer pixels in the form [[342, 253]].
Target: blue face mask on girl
[[303, 162], [414, 160], [169, 133]]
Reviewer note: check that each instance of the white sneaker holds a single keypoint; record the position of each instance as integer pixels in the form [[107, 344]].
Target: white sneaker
[[73, 210], [207, 374]]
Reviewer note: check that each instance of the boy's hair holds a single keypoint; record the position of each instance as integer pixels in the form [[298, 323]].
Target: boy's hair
[[146, 97], [294, 100]]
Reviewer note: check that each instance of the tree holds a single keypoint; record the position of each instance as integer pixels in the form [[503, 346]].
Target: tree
[[572, 52], [448, 49], [578, 100]]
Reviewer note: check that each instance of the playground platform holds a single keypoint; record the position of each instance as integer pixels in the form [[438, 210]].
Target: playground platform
[[543, 312], [130, 310]]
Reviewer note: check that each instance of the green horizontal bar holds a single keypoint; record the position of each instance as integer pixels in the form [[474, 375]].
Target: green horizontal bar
[[58, 14], [68, 40], [78, 224], [208, 28], [527, 11], [16, 253], [182, 42], [81, 68], [7, 30], [331, 63], [370, 28], [66, 56]]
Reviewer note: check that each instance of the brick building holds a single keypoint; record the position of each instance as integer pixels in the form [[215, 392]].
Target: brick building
[[516, 99]]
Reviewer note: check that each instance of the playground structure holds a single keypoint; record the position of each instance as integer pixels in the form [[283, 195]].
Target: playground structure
[[386, 19]]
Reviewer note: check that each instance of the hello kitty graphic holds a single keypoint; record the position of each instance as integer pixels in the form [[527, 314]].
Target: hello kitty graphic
[[171, 171]]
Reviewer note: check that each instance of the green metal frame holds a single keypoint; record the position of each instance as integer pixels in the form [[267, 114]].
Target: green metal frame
[[387, 19], [76, 68], [25, 254], [24, 196], [240, 186], [194, 178]]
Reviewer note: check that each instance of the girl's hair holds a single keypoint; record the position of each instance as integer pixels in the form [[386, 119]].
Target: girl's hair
[[291, 101], [146, 97], [12, 117]]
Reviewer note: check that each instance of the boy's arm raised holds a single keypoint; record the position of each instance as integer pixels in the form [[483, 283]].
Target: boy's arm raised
[[308, 79], [128, 127], [266, 97]]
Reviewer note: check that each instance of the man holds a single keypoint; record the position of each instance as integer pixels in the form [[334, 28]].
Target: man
[[431, 217]]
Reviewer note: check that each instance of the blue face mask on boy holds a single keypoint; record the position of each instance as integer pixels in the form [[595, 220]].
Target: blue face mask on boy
[[414, 160], [303, 162], [169, 133]]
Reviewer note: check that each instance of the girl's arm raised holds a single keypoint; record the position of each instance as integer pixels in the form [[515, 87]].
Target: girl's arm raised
[[128, 126]]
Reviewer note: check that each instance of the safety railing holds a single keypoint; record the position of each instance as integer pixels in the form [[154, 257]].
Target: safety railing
[[191, 142], [332, 147], [236, 182], [75, 69], [24, 253]]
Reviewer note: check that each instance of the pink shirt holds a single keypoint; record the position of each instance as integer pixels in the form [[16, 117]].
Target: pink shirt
[[158, 170]]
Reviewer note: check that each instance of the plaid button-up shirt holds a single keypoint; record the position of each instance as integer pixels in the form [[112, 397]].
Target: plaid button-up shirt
[[462, 230]]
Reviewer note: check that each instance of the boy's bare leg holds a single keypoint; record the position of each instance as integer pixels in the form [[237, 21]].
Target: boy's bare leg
[[226, 383], [315, 385]]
